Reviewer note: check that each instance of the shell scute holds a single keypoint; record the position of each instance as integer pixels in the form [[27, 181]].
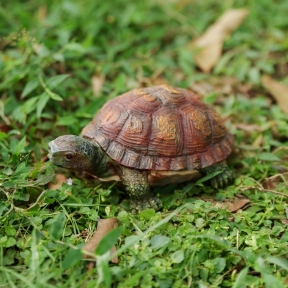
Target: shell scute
[[166, 133], [160, 128], [135, 132]]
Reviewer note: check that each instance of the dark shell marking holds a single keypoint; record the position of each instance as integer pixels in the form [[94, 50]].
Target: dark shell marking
[[160, 128]]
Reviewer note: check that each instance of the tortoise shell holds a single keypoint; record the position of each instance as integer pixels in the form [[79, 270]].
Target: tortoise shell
[[160, 128]]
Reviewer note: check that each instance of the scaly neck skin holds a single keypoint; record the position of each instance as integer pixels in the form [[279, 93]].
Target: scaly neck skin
[[97, 157], [100, 164], [76, 153]]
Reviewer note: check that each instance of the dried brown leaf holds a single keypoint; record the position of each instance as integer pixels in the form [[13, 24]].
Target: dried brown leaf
[[258, 142], [282, 153], [284, 221], [220, 85], [104, 226], [272, 182], [60, 179], [249, 127], [211, 42], [232, 205], [278, 90], [97, 84], [42, 13], [4, 127]]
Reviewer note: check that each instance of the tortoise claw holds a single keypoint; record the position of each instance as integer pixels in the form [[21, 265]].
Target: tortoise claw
[[223, 179], [151, 202]]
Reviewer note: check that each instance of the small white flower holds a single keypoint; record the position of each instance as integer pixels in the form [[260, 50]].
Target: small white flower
[[69, 181]]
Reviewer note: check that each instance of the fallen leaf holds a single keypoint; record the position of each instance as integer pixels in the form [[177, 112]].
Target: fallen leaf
[[97, 84], [158, 81], [272, 182], [232, 205], [211, 42], [245, 88], [278, 90], [282, 152], [60, 179], [284, 221], [218, 85], [4, 128], [42, 13], [249, 127], [103, 227], [258, 142]]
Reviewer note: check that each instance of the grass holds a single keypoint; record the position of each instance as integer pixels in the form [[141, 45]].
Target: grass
[[49, 52]]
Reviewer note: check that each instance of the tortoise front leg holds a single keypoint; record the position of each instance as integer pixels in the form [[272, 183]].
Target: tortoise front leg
[[222, 179], [138, 188]]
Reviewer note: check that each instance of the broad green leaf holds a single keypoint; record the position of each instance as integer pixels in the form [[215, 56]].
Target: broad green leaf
[[3, 240], [44, 98], [2, 209], [200, 222], [75, 47], [10, 242], [208, 177], [147, 214], [53, 95], [216, 239], [220, 264], [248, 256], [204, 273], [188, 187], [10, 231], [106, 274], [108, 241], [9, 257], [7, 171], [58, 226], [284, 237], [131, 240], [159, 241], [283, 263], [271, 281], [44, 179], [34, 260], [55, 81], [29, 105], [30, 86], [3, 136], [72, 258], [66, 120], [20, 146], [240, 279], [268, 157], [9, 184], [22, 171], [177, 256]]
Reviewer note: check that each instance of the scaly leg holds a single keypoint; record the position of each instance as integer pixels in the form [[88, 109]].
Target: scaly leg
[[223, 179], [137, 185]]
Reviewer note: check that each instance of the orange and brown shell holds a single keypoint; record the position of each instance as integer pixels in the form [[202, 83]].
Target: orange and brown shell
[[160, 128]]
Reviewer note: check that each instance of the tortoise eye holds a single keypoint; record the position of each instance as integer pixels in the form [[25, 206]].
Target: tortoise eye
[[69, 156]]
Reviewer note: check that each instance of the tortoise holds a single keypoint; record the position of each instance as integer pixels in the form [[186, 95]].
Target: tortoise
[[147, 136]]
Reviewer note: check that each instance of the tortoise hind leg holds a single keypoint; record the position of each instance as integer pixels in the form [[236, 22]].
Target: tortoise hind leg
[[222, 179], [137, 185]]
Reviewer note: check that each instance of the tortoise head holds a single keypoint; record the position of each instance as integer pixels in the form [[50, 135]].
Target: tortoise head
[[72, 152]]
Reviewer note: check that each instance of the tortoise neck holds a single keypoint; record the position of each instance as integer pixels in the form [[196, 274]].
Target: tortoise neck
[[100, 162], [96, 157]]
